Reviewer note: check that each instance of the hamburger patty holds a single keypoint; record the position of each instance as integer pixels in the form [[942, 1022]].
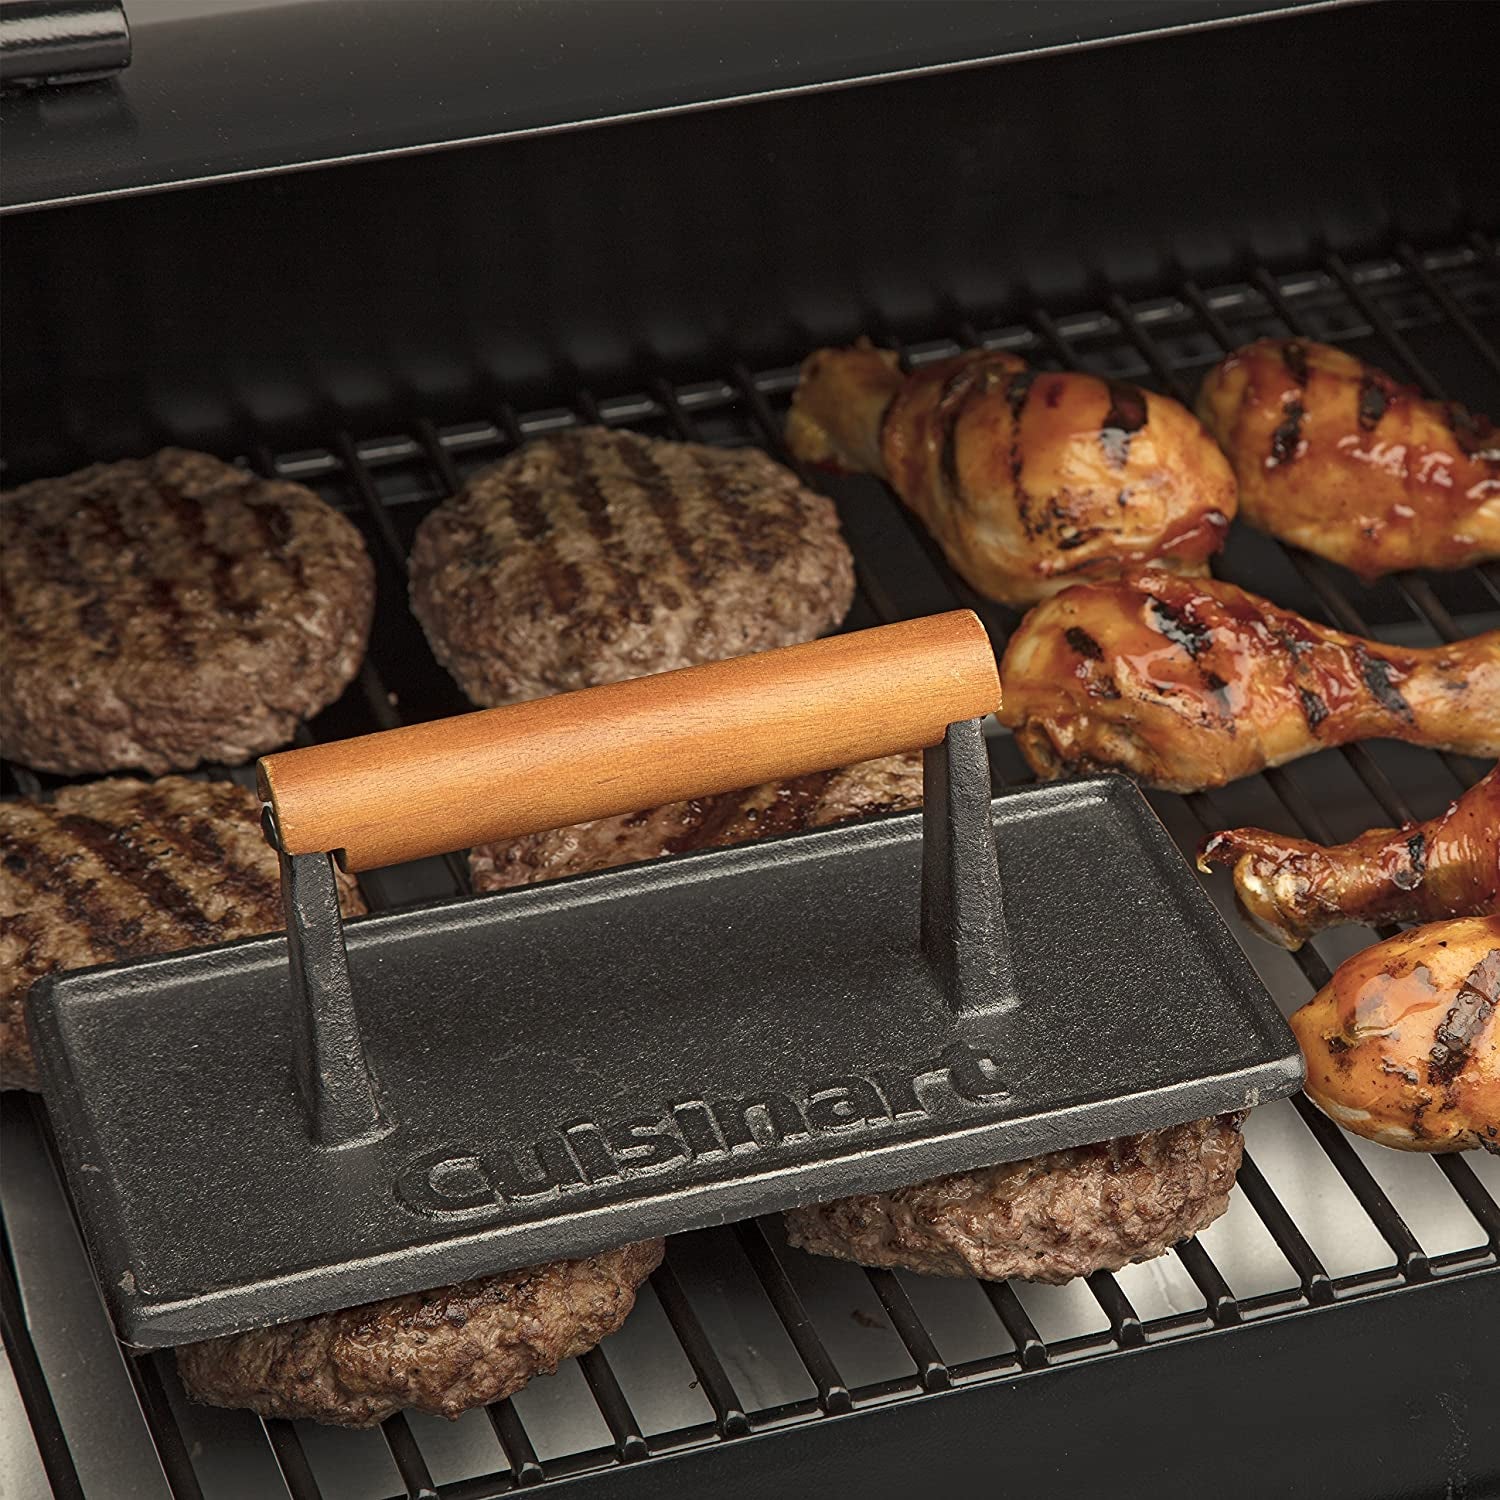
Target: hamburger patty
[[166, 611], [443, 1351], [598, 555], [1048, 1218], [122, 869], [892, 784]]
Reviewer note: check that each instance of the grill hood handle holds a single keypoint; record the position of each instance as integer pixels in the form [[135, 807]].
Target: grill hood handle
[[500, 773]]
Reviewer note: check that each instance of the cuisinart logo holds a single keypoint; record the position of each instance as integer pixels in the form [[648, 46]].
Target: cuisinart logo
[[579, 1154]]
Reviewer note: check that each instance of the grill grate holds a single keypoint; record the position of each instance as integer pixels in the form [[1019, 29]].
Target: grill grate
[[737, 1335]]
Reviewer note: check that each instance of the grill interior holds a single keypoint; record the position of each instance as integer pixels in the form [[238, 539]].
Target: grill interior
[[736, 1335]]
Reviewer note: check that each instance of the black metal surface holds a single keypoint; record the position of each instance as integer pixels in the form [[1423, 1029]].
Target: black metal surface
[[383, 294], [339, 1095], [1367, 1396], [1308, 1405], [963, 932], [226, 89], [962, 937], [61, 41], [641, 1052]]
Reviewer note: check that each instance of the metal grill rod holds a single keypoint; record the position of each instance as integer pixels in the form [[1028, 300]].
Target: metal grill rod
[[286, 1448], [31, 1381]]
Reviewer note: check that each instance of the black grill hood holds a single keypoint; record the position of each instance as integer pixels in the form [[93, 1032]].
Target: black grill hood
[[234, 88]]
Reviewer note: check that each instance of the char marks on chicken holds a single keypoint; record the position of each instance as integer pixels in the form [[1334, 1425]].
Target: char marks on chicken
[[1403, 1043], [1188, 683], [1336, 456], [1028, 479]]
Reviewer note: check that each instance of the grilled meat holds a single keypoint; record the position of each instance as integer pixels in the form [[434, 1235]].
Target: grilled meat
[[444, 1351], [598, 555], [1403, 1043], [1334, 455], [1448, 866], [1193, 683], [120, 869], [892, 784], [1030, 480], [1049, 1218], [171, 610]]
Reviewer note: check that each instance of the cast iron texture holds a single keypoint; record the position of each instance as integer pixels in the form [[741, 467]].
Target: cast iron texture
[[639, 1052], [963, 912], [962, 939], [339, 1094]]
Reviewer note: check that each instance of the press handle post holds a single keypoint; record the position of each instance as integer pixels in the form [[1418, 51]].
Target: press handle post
[[500, 773], [339, 1094]]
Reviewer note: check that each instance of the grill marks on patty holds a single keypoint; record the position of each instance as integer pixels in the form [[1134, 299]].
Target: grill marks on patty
[[122, 869], [596, 555], [174, 609], [872, 787], [130, 864], [165, 549], [660, 496]]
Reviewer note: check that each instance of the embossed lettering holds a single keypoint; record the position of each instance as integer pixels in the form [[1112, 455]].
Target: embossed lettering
[[900, 1091], [453, 1184], [764, 1120], [973, 1074], [438, 1183], [533, 1171], [699, 1128], [646, 1143], [591, 1151], [844, 1103]]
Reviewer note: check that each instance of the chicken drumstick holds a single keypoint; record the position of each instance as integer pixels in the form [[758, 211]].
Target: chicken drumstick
[[1029, 479], [1334, 455], [1403, 1043], [1191, 683], [1448, 866]]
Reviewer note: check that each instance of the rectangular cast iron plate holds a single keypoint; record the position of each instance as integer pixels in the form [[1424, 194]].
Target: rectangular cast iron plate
[[615, 1019]]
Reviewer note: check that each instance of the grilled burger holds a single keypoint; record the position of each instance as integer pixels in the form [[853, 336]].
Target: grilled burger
[[443, 1351], [892, 784], [165, 611], [1047, 1218], [122, 869], [599, 555]]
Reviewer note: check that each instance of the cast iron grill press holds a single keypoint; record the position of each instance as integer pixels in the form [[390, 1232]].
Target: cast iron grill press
[[445, 1092]]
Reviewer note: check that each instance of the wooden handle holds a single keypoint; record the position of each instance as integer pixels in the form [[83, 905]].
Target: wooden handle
[[428, 788]]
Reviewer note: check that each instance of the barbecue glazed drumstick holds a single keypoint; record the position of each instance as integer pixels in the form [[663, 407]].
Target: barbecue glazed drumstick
[[1030, 480], [1448, 866], [1189, 683], [1334, 455], [1403, 1043]]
